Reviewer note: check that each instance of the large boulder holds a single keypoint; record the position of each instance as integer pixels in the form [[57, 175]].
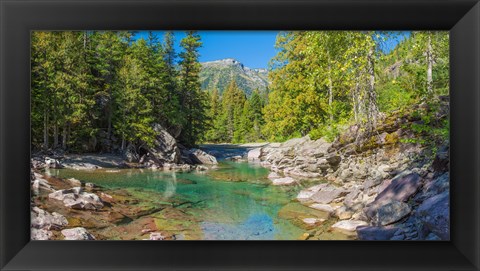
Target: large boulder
[[130, 154], [41, 219], [200, 157], [391, 212], [165, 147], [254, 154], [401, 188], [75, 198], [435, 214], [78, 233]]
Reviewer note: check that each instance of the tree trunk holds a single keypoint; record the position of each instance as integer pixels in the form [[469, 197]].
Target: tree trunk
[[330, 98], [429, 65], [123, 143], [356, 107], [372, 110], [55, 124], [109, 125], [330, 91], [64, 137], [45, 128]]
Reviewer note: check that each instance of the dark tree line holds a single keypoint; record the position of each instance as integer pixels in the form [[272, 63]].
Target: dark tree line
[[103, 90]]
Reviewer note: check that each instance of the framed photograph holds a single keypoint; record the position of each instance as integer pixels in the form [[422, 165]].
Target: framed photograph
[[240, 135]]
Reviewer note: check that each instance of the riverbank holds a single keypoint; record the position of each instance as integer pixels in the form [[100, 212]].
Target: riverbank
[[389, 186], [383, 187]]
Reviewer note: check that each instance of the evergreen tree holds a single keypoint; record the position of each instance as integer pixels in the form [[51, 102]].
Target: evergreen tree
[[192, 99]]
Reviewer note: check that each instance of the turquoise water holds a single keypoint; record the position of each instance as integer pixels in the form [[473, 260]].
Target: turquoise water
[[232, 202]]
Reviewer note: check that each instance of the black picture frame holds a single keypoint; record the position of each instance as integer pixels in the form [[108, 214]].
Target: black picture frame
[[19, 17]]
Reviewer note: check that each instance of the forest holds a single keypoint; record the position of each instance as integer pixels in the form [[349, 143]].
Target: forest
[[99, 91]]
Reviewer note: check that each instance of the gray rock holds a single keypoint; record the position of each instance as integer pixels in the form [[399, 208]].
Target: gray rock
[[157, 236], [312, 221], [39, 184], [401, 188], [297, 172], [370, 233], [40, 234], [283, 181], [255, 154], [435, 214], [37, 163], [165, 146], [343, 213], [201, 157], [130, 154], [74, 182], [41, 219], [52, 163], [348, 225], [75, 198], [306, 194], [78, 233], [352, 198], [391, 212], [328, 194], [371, 182], [273, 175]]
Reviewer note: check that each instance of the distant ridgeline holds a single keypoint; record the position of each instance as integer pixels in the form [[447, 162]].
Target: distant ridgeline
[[218, 74]]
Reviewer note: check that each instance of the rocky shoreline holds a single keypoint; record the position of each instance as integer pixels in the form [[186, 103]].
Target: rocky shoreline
[[378, 189], [69, 209]]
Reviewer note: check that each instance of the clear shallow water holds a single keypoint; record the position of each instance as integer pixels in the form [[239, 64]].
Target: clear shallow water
[[233, 202]]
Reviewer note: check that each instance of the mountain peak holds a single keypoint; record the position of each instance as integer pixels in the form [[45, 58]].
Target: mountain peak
[[225, 61], [219, 73]]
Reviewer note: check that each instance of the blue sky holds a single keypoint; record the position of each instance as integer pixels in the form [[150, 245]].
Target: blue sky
[[252, 48]]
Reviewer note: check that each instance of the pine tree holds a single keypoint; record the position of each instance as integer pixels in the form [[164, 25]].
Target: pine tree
[[192, 99]]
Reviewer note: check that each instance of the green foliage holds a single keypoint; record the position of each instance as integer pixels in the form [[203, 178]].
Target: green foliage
[[325, 81], [193, 101], [101, 90]]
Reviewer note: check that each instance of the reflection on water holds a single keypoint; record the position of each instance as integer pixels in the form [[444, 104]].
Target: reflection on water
[[234, 201]]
